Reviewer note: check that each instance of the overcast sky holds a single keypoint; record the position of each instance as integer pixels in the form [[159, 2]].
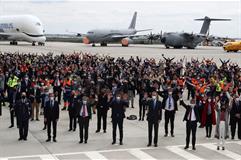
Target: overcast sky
[[80, 16]]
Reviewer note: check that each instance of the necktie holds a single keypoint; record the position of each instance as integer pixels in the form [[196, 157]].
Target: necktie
[[169, 105], [84, 110], [190, 115], [209, 109], [154, 104]]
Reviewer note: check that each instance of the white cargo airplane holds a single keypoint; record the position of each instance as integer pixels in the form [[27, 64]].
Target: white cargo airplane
[[22, 28], [104, 36]]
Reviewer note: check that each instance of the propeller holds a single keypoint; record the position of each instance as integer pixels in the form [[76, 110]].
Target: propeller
[[152, 37]]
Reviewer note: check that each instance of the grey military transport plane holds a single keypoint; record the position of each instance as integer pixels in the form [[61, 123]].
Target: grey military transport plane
[[104, 36], [188, 40]]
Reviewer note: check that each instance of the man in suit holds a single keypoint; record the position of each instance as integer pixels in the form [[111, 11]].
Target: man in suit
[[23, 113], [84, 115], [51, 116], [102, 109], [73, 110], [57, 86], [118, 108], [154, 116], [191, 117], [25, 85], [35, 98], [169, 104], [235, 118]]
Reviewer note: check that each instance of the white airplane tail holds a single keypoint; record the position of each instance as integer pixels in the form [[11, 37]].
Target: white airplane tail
[[133, 21]]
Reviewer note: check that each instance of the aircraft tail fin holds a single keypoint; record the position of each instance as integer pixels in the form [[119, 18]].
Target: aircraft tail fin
[[206, 23], [133, 21]]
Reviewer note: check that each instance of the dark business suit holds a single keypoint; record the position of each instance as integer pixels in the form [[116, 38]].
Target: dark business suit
[[236, 109], [102, 109], [118, 115], [25, 87], [191, 126], [169, 114], [73, 113], [84, 120], [51, 113], [23, 113], [154, 115]]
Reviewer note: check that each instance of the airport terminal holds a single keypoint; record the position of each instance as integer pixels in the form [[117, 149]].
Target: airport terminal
[[140, 92]]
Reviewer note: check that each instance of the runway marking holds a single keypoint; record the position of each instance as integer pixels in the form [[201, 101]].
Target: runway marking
[[181, 152], [95, 156], [48, 157], [140, 154], [225, 152]]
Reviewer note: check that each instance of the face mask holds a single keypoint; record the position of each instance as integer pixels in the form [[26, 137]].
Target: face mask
[[153, 97], [237, 99], [209, 100], [26, 79], [118, 98], [51, 98], [84, 102], [192, 105], [170, 93]]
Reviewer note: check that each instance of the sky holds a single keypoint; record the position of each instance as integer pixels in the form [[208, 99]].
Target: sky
[[59, 16]]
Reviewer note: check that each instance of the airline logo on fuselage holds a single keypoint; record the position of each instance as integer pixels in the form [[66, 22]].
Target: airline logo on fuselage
[[6, 26]]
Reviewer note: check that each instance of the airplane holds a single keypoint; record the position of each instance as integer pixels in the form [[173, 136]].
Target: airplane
[[188, 40], [22, 28], [104, 36]]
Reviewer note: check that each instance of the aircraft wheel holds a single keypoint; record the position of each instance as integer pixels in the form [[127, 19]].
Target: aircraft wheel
[[236, 51], [11, 43], [167, 47], [33, 44], [103, 44], [93, 45]]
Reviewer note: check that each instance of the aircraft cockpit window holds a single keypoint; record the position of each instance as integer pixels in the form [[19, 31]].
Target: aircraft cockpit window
[[90, 32], [38, 24]]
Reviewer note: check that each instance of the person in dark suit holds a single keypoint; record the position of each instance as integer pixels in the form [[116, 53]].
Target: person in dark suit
[[191, 117], [169, 104], [154, 116], [102, 109], [118, 108], [23, 113], [235, 118], [84, 115], [25, 85], [73, 110], [51, 116], [35, 98]]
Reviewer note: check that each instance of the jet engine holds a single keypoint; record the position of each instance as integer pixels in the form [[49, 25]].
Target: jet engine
[[126, 41]]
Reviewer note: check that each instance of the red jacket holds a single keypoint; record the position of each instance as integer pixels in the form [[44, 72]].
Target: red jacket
[[204, 113]]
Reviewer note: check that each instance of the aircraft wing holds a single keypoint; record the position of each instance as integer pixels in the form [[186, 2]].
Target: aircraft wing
[[125, 36]]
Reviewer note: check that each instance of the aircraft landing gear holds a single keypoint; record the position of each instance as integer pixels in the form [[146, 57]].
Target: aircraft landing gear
[[103, 44], [167, 47], [13, 43], [93, 45], [41, 44], [178, 47], [124, 45], [33, 44]]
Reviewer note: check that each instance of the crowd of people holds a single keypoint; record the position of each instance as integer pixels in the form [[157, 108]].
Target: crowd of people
[[82, 83]]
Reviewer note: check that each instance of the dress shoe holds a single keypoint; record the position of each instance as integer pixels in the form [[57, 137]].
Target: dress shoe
[[37, 119], [54, 140], [142, 119], [194, 148], [218, 148], [48, 140], [20, 139], [139, 119], [63, 109], [165, 135], [81, 141], [44, 128], [172, 135], [186, 147], [149, 144], [25, 139], [155, 145], [113, 142], [104, 131], [121, 143], [11, 126], [74, 130], [70, 130], [32, 119], [97, 131], [85, 142], [223, 148]]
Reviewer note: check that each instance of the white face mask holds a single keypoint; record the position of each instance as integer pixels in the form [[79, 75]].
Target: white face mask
[[51, 98], [192, 105], [209, 100], [118, 98], [170, 93], [84, 102], [153, 97], [237, 99]]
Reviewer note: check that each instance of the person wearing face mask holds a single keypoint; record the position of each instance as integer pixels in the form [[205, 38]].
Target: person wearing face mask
[[191, 117], [169, 104], [84, 111], [25, 85], [57, 86], [118, 108], [235, 118], [72, 110], [35, 98], [154, 116], [23, 112], [51, 116], [2, 89], [208, 115]]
